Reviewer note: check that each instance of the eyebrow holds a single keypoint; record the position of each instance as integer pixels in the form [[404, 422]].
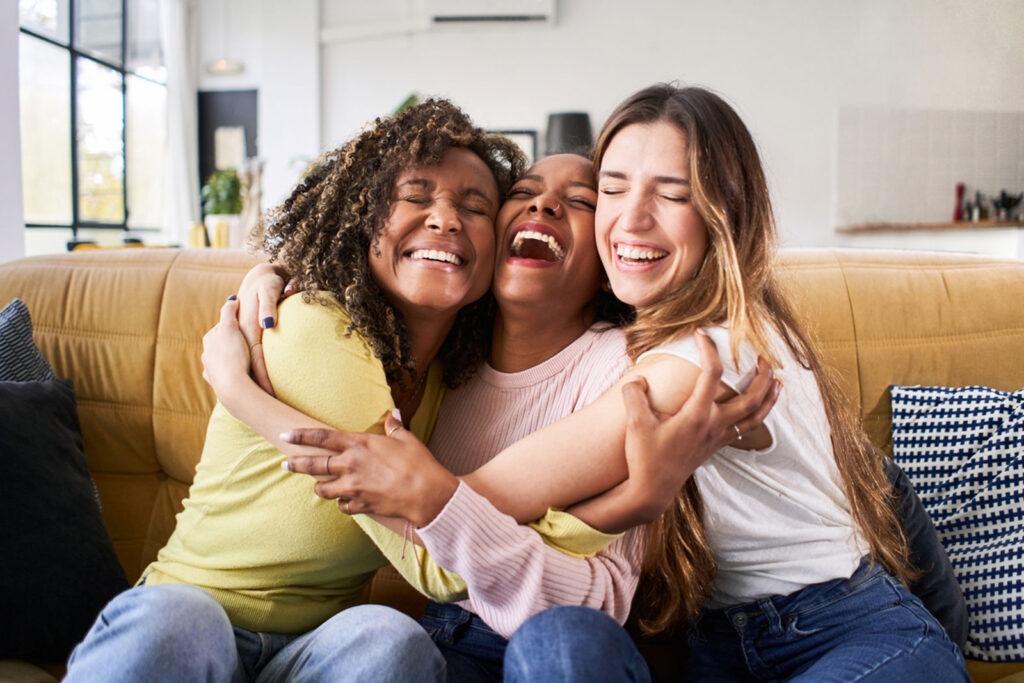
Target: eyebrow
[[574, 183], [658, 179]]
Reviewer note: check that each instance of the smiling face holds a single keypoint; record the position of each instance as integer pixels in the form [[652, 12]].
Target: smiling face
[[435, 253], [649, 234], [546, 250]]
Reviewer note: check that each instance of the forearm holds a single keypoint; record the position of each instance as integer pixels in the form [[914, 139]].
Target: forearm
[[622, 507], [512, 573]]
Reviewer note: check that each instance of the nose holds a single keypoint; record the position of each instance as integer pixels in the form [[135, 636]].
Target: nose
[[636, 215], [547, 204], [444, 217]]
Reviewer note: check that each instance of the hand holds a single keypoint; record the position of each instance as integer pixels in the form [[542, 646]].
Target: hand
[[225, 353], [663, 451], [258, 296], [392, 475]]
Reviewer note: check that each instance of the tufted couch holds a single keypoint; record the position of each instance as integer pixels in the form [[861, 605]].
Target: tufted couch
[[126, 327]]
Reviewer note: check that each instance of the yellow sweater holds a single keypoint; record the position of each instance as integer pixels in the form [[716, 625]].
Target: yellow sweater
[[277, 557]]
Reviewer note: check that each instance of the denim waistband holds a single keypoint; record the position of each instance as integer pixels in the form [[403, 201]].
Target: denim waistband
[[803, 599]]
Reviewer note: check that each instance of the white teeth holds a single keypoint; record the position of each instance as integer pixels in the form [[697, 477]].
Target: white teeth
[[638, 254], [436, 255], [552, 243]]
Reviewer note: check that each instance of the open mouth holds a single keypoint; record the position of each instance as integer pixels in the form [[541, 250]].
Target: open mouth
[[639, 256], [540, 246], [436, 255]]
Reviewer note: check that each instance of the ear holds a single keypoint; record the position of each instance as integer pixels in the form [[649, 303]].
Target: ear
[[606, 286]]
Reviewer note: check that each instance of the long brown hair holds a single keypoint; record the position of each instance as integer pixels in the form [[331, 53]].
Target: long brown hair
[[324, 230], [737, 285]]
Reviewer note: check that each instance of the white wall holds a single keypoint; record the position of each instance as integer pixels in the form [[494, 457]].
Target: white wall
[[12, 218], [278, 42], [787, 65]]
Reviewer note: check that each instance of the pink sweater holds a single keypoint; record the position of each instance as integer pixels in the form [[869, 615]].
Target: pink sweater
[[510, 572]]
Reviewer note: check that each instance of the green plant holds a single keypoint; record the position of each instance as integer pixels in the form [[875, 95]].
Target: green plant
[[222, 193]]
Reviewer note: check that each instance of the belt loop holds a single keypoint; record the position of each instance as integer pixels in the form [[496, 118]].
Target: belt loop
[[772, 615]]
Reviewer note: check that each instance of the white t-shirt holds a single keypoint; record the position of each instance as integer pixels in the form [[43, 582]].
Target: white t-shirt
[[777, 519]]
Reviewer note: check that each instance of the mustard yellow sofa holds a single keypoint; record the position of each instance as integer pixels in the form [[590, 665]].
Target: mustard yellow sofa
[[126, 327]]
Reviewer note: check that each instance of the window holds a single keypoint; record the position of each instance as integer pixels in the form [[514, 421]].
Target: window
[[93, 120]]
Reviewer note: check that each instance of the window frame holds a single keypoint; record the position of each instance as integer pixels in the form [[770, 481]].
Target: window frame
[[75, 53]]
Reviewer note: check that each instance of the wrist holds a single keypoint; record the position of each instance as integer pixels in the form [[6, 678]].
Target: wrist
[[435, 492]]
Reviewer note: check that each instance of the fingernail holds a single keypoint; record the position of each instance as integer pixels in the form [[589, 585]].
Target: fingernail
[[778, 387], [397, 414], [700, 330], [232, 297], [286, 437], [267, 323], [284, 466]]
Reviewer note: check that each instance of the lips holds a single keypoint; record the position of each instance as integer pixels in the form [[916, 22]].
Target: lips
[[538, 242]]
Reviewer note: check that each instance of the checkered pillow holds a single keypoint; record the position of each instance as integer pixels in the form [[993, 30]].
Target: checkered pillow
[[20, 360], [964, 451]]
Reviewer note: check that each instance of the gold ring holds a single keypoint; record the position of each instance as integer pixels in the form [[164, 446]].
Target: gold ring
[[739, 436], [393, 430], [254, 345]]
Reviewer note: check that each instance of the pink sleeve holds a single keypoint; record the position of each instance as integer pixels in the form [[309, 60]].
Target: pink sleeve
[[512, 574]]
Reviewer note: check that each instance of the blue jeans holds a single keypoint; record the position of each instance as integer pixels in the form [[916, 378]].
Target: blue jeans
[[181, 633], [867, 627], [558, 644]]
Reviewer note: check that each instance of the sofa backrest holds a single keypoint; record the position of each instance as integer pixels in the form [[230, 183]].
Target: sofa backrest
[[127, 326]]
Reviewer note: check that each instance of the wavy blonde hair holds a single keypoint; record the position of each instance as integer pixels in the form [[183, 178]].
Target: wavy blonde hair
[[736, 284]]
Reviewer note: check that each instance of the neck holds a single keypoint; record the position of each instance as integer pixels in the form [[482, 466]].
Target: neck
[[527, 335], [426, 335]]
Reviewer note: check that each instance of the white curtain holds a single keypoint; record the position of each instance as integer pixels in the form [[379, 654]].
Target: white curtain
[[181, 181]]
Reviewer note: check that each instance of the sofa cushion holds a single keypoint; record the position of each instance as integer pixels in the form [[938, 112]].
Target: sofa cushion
[[20, 360], [964, 451], [59, 566]]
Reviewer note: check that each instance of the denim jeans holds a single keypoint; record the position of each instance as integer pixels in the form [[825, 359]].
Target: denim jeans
[[561, 644], [867, 627], [180, 633]]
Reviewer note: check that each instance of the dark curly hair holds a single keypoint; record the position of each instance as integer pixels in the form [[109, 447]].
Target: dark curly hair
[[322, 234]]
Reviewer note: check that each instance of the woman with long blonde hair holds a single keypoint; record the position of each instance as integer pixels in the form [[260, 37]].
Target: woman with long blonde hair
[[783, 547]]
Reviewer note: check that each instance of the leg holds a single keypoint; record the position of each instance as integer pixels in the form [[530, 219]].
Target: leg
[[162, 632], [573, 644], [365, 643], [900, 641]]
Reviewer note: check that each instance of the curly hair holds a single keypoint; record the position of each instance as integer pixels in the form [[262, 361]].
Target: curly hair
[[323, 232]]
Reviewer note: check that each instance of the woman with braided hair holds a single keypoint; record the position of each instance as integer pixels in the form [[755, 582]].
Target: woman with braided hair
[[396, 228]]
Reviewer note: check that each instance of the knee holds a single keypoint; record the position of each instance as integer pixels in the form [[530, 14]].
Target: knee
[[377, 627], [170, 612], [572, 643]]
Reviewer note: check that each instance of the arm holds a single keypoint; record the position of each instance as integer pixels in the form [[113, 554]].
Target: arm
[[590, 445]]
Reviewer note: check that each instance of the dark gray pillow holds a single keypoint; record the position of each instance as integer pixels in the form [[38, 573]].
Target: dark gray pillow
[[20, 360], [59, 568]]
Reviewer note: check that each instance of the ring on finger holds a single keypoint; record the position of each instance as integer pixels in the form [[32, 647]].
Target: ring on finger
[[327, 464], [347, 511], [739, 435]]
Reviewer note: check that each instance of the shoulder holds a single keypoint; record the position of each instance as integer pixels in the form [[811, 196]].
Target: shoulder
[[319, 329]]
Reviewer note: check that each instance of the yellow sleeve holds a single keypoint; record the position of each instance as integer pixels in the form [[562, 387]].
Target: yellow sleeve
[[318, 370], [571, 535], [414, 563]]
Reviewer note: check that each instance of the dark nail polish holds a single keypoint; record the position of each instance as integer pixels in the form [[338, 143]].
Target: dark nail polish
[[267, 323], [232, 297]]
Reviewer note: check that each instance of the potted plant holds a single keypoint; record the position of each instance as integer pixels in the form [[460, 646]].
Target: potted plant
[[222, 208]]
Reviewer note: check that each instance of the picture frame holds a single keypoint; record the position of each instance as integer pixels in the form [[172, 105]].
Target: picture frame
[[525, 138]]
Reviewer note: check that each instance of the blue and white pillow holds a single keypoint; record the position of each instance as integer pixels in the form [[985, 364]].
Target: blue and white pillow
[[20, 360], [964, 451]]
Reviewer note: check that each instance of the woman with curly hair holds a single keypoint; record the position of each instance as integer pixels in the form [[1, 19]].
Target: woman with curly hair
[[396, 228]]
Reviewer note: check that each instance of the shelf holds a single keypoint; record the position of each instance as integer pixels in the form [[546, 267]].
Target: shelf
[[921, 227]]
